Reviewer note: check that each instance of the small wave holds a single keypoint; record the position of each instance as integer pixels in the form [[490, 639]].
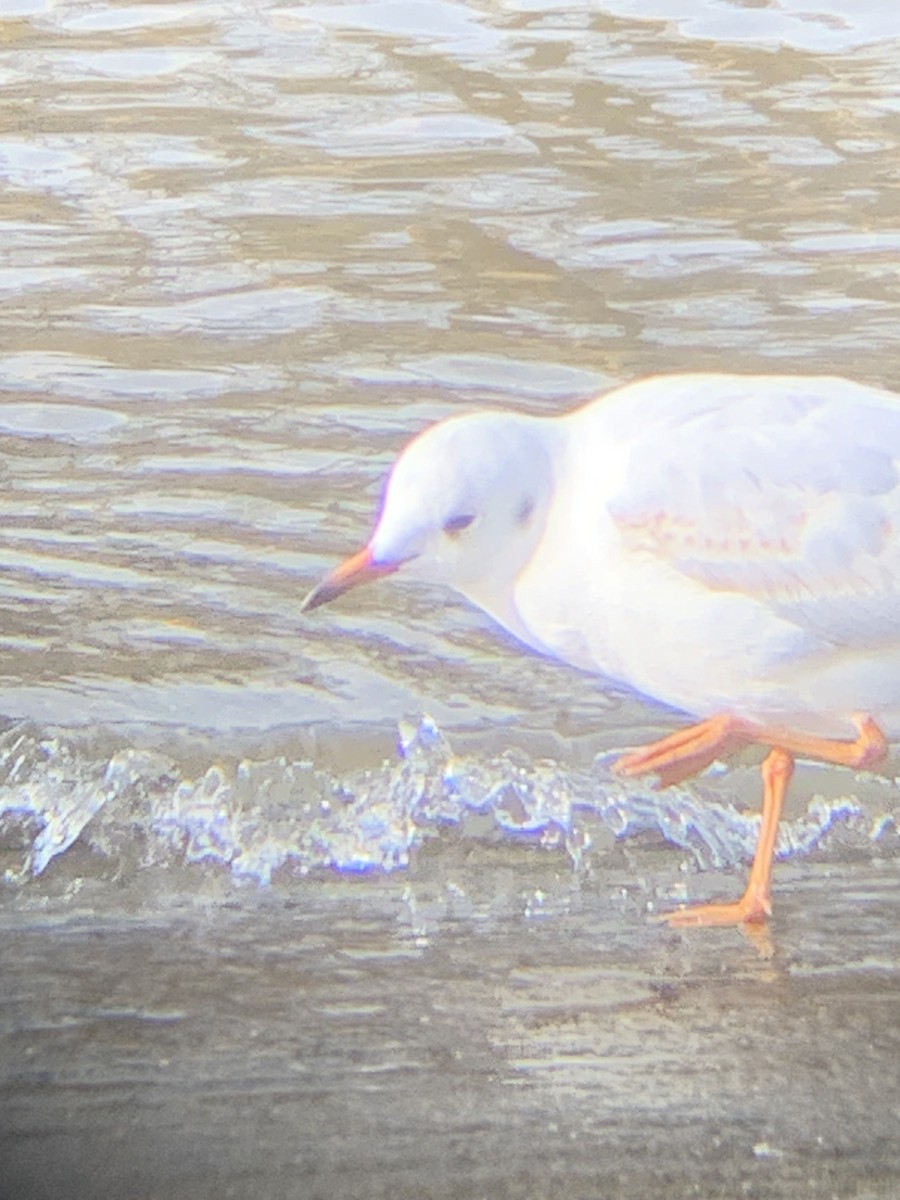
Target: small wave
[[257, 817]]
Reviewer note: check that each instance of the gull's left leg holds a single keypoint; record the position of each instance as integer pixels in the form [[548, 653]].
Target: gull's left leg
[[867, 750], [689, 751]]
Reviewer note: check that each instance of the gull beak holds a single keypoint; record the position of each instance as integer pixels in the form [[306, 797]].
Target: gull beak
[[360, 568]]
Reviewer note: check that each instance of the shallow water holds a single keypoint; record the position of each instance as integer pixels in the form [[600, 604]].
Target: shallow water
[[251, 946]]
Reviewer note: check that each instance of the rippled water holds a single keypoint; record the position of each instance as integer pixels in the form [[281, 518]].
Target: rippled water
[[246, 250]]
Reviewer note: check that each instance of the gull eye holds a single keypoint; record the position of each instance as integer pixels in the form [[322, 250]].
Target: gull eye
[[526, 511], [455, 525]]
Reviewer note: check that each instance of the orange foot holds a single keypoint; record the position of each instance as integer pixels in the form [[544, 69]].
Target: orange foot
[[750, 915], [755, 906], [685, 753], [749, 910], [691, 750]]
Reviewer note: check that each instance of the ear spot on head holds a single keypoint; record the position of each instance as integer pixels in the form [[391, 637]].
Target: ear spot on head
[[526, 511], [454, 526]]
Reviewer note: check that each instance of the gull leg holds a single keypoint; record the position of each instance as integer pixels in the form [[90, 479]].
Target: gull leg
[[691, 750], [688, 751], [867, 750], [756, 903]]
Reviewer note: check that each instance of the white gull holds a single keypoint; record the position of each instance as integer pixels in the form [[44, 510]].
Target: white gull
[[726, 544]]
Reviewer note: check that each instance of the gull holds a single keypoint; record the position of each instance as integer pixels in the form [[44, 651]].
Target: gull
[[728, 545]]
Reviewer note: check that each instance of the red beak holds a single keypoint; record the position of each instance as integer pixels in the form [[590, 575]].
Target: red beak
[[360, 568]]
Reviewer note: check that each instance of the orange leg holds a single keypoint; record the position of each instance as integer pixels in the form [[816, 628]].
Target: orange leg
[[868, 750], [691, 750], [687, 752], [756, 902]]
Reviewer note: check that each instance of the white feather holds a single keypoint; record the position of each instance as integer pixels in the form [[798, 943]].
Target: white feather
[[718, 542]]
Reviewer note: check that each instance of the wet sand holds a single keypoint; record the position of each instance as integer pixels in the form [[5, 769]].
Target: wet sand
[[490, 1026]]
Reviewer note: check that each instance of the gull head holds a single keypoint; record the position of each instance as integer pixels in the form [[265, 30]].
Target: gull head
[[465, 505]]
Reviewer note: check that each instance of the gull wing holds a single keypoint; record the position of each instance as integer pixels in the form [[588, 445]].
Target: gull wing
[[785, 491]]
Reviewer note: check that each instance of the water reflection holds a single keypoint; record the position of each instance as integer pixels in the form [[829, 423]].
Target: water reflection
[[247, 251], [266, 244]]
